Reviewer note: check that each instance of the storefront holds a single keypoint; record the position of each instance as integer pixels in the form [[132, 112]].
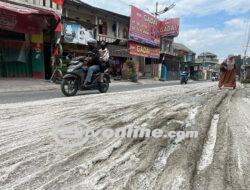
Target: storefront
[[22, 35], [172, 67], [119, 55], [145, 59], [144, 45]]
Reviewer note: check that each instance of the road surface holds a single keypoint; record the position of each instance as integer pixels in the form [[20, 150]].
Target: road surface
[[55, 92], [34, 154]]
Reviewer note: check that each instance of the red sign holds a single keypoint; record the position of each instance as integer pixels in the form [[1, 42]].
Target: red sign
[[143, 51], [170, 27], [144, 28]]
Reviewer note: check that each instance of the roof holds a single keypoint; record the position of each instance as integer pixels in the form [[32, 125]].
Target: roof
[[113, 15], [179, 46], [207, 54]]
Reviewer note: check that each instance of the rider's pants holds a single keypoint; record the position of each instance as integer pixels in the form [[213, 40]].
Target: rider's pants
[[91, 70]]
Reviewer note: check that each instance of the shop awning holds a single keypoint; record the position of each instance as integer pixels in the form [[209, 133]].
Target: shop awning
[[118, 51], [29, 20]]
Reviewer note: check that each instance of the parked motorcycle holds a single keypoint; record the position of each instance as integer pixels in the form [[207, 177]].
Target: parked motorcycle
[[184, 77], [74, 79]]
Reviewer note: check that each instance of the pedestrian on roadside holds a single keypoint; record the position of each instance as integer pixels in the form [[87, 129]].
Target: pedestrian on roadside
[[228, 73], [56, 62]]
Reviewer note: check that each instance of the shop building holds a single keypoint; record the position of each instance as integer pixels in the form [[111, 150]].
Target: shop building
[[186, 59], [27, 31], [209, 63], [144, 42], [95, 23], [169, 63]]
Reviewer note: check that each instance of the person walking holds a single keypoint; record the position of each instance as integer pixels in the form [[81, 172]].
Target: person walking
[[228, 73]]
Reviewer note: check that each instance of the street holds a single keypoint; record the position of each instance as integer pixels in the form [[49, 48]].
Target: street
[[55, 92], [170, 109], [34, 156]]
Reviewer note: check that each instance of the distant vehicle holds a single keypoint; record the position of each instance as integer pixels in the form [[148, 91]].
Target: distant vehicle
[[214, 76], [74, 79], [184, 77]]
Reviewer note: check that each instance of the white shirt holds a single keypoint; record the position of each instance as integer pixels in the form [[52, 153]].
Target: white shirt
[[104, 54]]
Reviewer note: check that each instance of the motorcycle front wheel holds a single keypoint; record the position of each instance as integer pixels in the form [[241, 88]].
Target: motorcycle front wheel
[[69, 87]]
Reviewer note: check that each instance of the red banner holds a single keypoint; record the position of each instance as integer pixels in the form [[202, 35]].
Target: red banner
[[24, 19], [170, 27], [144, 28], [143, 51], [58, 2]]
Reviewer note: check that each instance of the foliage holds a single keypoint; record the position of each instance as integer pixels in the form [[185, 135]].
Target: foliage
[[132, 71], [242, 80]]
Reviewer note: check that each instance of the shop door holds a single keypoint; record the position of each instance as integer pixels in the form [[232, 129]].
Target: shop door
[[1, 61], [148, 66], [47, 61], [14, 55]]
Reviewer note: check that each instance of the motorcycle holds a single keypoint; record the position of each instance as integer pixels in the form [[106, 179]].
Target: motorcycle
[[184, 77], [214, 78], [73, 80]]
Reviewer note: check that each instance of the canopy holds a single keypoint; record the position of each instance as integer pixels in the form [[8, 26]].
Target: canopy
[[29, 20]]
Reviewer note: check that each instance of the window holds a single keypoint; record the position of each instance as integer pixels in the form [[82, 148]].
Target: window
[[103, 27], [4, 34]]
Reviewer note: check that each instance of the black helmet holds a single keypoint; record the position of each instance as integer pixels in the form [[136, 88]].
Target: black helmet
[[92, 44]]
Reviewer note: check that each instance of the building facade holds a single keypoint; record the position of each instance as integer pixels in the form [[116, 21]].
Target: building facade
[[186, 58], [103, 25], [27, 32], [209, 63]]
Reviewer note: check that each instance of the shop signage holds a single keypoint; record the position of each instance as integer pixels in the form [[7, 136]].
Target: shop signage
[[137, 49], [75, 33], [144, 28], [170, 27]]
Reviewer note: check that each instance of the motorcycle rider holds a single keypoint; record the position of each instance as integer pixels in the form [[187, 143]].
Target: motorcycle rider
[[94, 63], [185, 73], [104, 58]]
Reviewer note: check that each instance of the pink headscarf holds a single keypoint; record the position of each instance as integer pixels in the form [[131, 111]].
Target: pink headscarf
[[230, 62]]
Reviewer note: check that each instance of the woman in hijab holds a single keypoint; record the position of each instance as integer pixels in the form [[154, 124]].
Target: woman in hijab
[[228, 73]]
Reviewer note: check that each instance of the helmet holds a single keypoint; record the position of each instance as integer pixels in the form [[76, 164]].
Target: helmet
[[92, 44]]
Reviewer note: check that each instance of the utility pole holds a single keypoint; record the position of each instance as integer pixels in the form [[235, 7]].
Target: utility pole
[[157, 13], [166, 9], [156, 9], [245, 52]]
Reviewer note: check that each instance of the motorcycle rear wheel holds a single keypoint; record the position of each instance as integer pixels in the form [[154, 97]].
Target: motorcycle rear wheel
[[104, 87], [69, 87]]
